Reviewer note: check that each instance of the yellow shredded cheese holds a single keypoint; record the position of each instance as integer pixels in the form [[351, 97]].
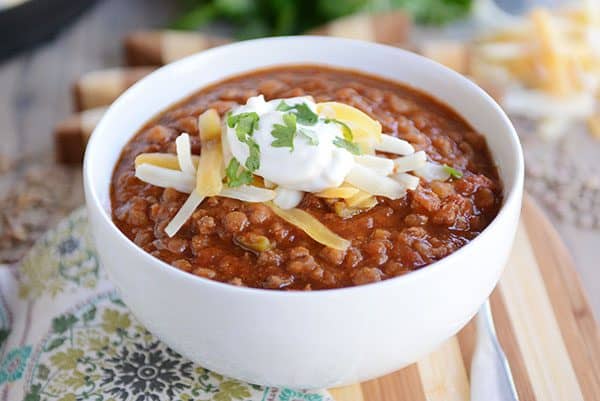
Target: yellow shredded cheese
[[357, 199], [209, 125], [165, 160], [343, 192], [210, 172], [365, 129], [368, 203], [311, 226], [556, 78]]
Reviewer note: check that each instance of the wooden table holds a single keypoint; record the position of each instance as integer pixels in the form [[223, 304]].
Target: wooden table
[[36, 84]]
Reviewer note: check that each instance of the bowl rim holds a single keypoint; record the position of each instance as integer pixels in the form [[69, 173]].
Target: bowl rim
[[512, 195]]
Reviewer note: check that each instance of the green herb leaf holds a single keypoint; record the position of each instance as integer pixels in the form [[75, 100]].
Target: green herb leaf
[[345, 128], [303, 113], [245, 124], [310, 136], [253, 160], [236, 174], [346, 144], [454, 173], [284, 134]]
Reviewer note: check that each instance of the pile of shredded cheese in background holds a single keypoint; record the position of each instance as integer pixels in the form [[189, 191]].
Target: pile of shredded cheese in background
[[548, 66], [216, 172]]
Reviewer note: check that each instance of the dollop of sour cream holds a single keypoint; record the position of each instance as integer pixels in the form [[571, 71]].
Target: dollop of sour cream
[[313, 164]]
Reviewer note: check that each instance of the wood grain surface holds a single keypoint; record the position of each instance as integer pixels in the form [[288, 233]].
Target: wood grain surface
[[544, 322]]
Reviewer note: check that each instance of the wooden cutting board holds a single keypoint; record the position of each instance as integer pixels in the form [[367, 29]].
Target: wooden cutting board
[[544, 323]]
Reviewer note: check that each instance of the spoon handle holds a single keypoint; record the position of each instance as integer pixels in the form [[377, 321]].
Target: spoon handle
[[491, 378]]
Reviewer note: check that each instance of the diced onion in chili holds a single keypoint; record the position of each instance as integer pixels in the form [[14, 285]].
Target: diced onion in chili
[[184, 154], [311, 226], [339, 192], [369, 181], [287, 198], [165, 178], [166, 160], [433, 172], [184, 213], [410, 162], [408, 180], [391, 144], [382, 165], [248, 193]]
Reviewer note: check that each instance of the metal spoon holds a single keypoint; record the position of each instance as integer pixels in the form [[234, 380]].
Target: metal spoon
[[491, 378]]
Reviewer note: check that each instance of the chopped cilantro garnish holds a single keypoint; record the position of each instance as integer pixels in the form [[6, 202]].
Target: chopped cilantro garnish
[[454, 173], [303, 113], [253, 160], [284, 134], [245, 124], [310, 136], [345, 128], [237, 175], [346, 144]]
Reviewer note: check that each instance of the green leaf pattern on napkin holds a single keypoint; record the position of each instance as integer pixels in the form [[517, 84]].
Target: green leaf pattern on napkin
[[74, 339]]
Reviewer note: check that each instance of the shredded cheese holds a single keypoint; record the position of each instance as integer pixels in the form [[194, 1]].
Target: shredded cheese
[[165, 178], [408, 180], [357, 199], [391, 144], [166, 160], [410, 162], [184, 154], [209, 125], [338, 193], [548, 65], [365, 129], [184, 213], [312, 227], [382, 165], [369, 181], [209, 176], [432, 172], [248, 193]]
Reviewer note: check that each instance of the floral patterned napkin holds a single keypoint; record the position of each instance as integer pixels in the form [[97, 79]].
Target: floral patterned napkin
[[65, 335]]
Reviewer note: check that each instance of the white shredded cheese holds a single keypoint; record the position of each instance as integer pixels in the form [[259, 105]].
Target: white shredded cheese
[[184, 213], [410, 162], [370, 181], [432, 172], [184, 154], [248, 193], [382, 165], [165, 178], [410, 181], [391, 144]]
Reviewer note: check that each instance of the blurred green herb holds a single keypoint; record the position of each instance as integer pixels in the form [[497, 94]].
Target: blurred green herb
[[256, 18]]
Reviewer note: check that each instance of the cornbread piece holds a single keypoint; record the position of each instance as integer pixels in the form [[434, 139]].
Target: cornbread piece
[[71, 135], [389, 28], [451, 53], [102, 87], [163, 47]]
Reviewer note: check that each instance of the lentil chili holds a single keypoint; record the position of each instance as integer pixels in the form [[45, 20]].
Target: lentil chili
[[391, 239]]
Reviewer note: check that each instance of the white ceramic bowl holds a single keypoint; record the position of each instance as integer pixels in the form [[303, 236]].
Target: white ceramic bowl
[[303, 339]]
